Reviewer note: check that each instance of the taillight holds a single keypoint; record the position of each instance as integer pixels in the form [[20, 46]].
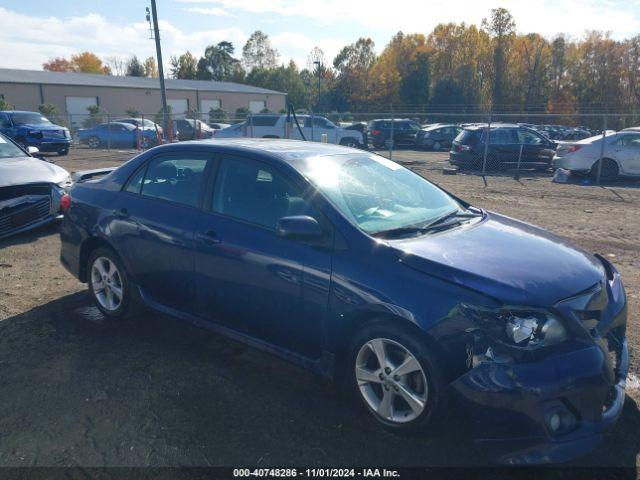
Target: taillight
[[462, 148], [574, 148], [375, 132], [65, 203]]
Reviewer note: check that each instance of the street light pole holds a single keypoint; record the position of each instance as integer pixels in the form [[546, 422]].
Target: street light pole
[[317, 64], [163, 91]]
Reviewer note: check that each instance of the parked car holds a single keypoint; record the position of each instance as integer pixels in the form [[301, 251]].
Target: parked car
[[312, 127], [117, 134], [359, 269], [506, 142], [218, 126], [32, 129], [383, 133], [437, 137], [189, 129], [141, 123], [621, 155], [30, 189]]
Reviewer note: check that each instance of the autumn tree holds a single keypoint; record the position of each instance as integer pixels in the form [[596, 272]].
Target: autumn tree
[[151, 67], [58, 64], [87, 62], [258, 52]]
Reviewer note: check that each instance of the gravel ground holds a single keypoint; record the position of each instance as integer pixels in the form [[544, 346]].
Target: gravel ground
[[79, 391]]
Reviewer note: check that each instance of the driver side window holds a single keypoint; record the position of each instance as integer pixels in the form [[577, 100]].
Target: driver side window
[[257, 193]]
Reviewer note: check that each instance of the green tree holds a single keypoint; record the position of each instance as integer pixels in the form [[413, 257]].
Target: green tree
[[217, 115], [132, 112], [217, 63], [135, 68], [4, 105], [241, 113], [501, 27]]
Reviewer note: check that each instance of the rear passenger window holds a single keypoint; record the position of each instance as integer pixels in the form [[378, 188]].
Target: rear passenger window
[[256, 193], [177, 178]]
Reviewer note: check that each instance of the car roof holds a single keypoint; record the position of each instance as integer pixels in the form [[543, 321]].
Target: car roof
[[483, 126], [286, 150], [128, 125], [19, 111]]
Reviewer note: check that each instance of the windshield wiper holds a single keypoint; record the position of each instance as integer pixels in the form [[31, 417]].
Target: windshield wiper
[[440, 222]]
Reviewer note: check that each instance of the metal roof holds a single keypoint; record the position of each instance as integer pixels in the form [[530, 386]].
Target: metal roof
[[9, 75]]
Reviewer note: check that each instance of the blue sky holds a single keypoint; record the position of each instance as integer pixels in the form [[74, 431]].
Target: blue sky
[[35, 30]]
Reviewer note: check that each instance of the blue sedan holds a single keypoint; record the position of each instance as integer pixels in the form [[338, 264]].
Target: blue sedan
[[360, 270], [118, 134]]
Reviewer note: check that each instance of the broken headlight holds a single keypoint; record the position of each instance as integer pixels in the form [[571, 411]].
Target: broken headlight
[[520, 328]]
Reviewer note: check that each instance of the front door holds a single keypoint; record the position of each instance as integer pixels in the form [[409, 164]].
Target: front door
[[248, 278], [153, 226]]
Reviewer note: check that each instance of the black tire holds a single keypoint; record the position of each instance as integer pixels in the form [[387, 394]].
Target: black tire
[[125, 306], [93, 142], [610, 170], [63, 152], [350, 142], [416, 346]]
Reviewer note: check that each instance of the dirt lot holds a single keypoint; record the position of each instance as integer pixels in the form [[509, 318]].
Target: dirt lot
[[79, 391]]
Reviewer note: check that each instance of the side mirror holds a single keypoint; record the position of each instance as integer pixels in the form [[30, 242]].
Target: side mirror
[[33, 150], [299, 227]]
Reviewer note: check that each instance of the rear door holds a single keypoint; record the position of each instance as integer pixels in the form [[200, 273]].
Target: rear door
[[535, 148], [154, 220]]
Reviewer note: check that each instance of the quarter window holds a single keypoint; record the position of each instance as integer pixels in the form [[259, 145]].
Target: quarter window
[[255, 192]]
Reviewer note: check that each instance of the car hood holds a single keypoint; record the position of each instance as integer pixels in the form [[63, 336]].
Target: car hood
[[511, 261], [22, 170], [40, 126]]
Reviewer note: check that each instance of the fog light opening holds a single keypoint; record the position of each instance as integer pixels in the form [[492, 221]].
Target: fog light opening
[[559, 420]]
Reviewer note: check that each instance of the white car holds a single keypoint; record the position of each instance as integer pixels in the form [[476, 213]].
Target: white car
[[621, 154], [274, 126]]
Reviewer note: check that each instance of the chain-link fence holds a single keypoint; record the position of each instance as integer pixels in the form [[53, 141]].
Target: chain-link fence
[[594, 147]]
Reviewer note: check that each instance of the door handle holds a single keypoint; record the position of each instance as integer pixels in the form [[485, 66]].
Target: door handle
[[209, 237], [121, 213]]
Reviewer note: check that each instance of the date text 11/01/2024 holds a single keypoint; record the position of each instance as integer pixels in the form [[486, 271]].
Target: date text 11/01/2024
[[316, 472]]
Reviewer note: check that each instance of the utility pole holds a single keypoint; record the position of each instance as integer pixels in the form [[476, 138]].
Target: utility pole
[[163, 91]]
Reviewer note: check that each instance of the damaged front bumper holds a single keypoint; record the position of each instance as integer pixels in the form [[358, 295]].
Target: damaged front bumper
[[557, 404], [26, 207]]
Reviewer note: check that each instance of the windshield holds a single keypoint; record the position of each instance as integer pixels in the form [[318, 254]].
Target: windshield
[[377, 194], [26, 118], [8, 149]]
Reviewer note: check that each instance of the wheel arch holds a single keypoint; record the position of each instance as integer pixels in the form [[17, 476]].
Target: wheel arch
[[351, 324], [88, 246]]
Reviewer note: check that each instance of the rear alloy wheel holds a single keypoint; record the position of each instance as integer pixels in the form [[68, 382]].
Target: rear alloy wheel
[[395, 377], [93, 142], [108, 283], [63, 152], [609, 170]]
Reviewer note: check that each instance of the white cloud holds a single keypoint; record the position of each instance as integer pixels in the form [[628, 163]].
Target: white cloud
[[28, 41], [212, 11], [548, 17]]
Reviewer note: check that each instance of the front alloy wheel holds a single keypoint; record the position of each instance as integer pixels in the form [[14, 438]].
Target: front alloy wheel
[[107, 284], [391, 381]]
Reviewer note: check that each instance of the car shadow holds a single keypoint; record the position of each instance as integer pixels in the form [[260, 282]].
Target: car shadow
[[30, 236], [152, 391]]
